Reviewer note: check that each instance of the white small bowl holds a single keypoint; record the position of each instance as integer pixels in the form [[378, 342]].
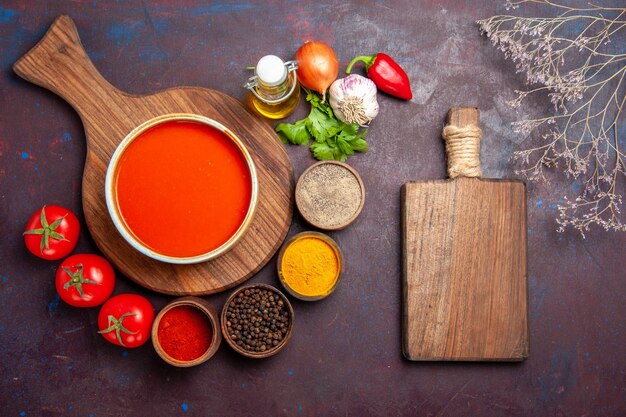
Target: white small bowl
[[113, 208]]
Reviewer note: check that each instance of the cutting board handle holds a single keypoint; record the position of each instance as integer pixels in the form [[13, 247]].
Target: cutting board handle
[[60, 64], [462, 136]]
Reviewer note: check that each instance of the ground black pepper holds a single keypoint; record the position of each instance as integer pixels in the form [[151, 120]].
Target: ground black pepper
[[329, 195], [257, 320]]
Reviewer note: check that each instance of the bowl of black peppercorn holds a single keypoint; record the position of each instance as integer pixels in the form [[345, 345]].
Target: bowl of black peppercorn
[[257, 320]]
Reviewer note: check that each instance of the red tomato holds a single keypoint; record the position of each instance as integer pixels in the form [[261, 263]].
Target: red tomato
[[85, 280], [126, 320], [52, 232]]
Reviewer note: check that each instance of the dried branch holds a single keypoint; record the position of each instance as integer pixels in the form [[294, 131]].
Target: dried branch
[[577, 58]]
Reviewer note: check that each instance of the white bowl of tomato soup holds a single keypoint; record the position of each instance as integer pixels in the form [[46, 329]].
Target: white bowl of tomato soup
[[181, 188]]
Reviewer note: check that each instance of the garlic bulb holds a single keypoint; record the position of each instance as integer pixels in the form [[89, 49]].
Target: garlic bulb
[[353, 99]]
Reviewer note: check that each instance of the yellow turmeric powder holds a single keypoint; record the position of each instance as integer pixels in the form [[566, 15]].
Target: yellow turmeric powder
[[310, 266]]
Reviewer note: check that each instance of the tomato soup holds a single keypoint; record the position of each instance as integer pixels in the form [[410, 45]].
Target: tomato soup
[[183, 188]]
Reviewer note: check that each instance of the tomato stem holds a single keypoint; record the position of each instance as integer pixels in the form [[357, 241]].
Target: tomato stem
[[77, 279], [47, 230], [117, 326]]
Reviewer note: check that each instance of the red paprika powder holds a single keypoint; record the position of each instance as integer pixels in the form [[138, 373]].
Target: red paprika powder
[[185, 333]]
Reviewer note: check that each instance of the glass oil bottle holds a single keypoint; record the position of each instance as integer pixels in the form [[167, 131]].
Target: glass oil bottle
[[274, 90]]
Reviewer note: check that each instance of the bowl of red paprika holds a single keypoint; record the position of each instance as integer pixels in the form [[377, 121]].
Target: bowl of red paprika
[[186, 332]]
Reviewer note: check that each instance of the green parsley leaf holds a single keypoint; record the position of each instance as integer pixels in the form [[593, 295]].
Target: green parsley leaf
[[322, 151], [332, 138], [319, 124], [359, 145], [296, 133]]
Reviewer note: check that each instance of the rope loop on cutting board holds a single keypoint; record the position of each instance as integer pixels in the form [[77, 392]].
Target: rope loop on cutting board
[[463, 150]]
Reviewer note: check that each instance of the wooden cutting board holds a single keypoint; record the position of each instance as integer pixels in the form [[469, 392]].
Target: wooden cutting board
[[464, 266], [60, 64]]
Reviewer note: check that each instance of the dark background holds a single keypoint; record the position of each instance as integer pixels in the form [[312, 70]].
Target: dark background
[[345, 357]]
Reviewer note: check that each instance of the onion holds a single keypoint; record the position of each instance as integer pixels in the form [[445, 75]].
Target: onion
[[318, 66]]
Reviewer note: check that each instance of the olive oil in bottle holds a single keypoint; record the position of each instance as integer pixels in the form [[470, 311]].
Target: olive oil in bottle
[[274, 89]]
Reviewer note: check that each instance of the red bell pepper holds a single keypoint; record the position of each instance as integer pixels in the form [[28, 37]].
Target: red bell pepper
[[386, 74]]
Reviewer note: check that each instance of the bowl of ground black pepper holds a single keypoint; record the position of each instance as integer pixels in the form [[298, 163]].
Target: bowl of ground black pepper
[[330, 195], [257, 320]]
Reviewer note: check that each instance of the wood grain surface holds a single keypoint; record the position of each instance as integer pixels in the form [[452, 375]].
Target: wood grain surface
[[60, 64], [464, 267]]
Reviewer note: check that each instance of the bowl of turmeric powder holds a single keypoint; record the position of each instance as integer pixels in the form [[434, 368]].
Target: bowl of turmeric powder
[[310, 265]]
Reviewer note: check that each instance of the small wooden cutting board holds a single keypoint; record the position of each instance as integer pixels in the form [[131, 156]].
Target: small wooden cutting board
[[60, 64], [464, 266]]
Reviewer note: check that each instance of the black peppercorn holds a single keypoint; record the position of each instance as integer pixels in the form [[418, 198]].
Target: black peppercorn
[[259, 320]]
